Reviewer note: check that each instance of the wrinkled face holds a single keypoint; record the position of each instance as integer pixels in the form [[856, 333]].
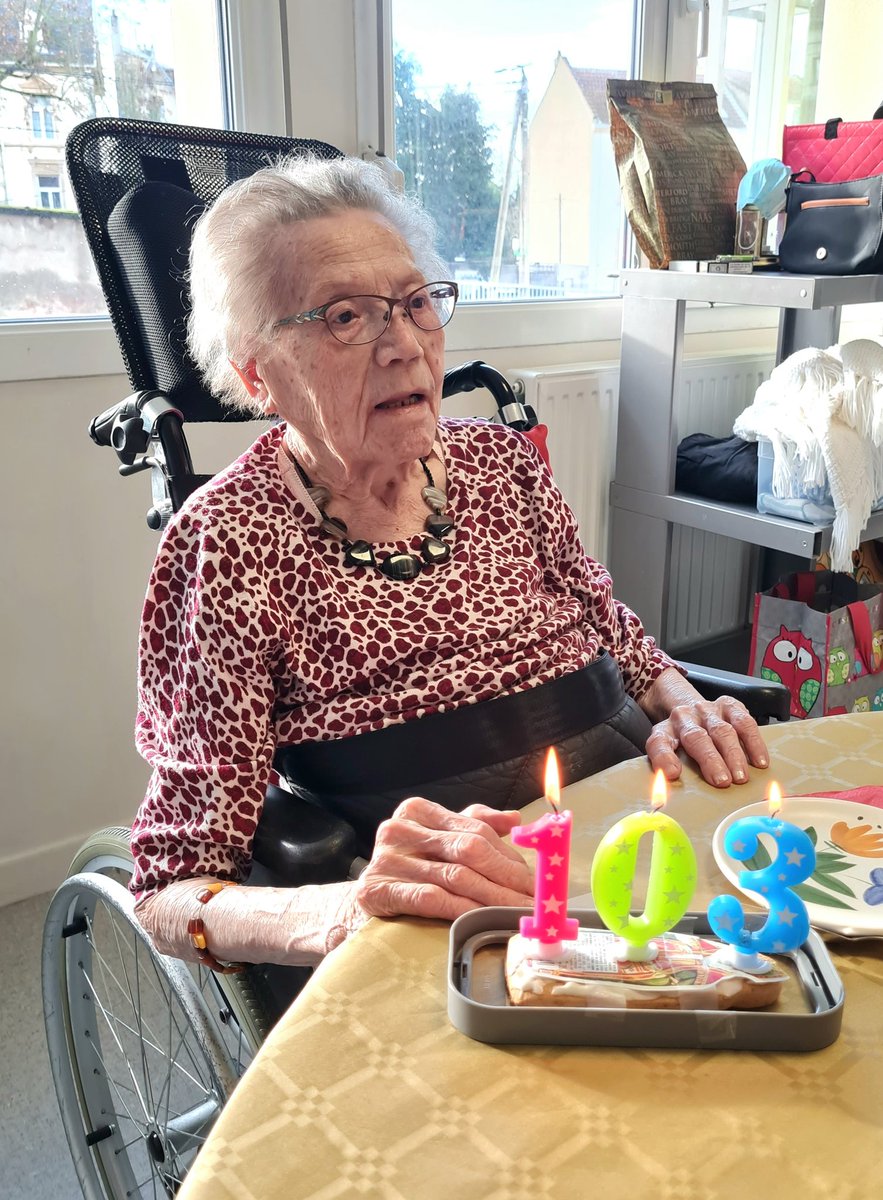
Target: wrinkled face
[[344, 403]]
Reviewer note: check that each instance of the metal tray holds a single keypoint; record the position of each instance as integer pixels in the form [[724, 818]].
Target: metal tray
[[807, 1017]]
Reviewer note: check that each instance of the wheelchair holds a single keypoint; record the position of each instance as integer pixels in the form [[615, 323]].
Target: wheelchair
[[145, 1049]]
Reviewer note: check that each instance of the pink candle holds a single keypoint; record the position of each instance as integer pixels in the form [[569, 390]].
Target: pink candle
[[549, 926]]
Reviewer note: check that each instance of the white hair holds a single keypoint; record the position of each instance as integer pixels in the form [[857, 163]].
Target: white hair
[[234, 268]]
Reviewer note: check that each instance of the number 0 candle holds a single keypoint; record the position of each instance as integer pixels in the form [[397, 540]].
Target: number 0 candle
[[787, 924], [671, 882], [549, 926]]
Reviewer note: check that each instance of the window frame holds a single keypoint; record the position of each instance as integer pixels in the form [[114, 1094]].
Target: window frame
[[42, 119], [52, 191], [334, 61]]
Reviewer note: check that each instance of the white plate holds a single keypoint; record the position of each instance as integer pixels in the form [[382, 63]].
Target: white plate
[[845, 892]]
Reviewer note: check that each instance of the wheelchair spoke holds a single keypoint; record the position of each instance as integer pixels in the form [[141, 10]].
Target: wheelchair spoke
[[191, 1129], [110, 1026], [150, 1179], [159, 993], [118, 1088], [136, 1008], [152, 1041], [147, 1051]]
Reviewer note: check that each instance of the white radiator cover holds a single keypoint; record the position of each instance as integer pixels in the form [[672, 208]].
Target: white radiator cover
[[711, 576]]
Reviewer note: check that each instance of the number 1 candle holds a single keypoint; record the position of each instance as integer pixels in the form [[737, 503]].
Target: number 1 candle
[[787, 924], [549, 927], [670, 886]]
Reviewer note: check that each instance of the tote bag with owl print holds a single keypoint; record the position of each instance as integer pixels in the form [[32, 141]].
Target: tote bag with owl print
[[821, 634]]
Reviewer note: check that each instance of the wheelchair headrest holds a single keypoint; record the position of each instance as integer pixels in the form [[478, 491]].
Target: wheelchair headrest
[[149, 232], [118, 167]]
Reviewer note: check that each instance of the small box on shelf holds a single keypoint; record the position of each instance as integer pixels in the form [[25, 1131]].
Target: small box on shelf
[[812, 504]]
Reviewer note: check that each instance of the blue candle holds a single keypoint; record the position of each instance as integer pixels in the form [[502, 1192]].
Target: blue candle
[[787, 924]]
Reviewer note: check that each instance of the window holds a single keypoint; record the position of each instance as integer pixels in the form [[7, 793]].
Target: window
[[42, 122], [327, 70], [503, 133], [763, 62], [49, 191], [152, 59], [776, 64]]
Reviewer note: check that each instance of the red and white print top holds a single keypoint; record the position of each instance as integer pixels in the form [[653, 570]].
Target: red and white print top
[[254, 634]]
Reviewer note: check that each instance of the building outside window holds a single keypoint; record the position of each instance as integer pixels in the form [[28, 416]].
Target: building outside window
[[62, 62]]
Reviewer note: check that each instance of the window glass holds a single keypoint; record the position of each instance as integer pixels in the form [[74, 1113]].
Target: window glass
[[61, 62], [502, 131], [776, 64]]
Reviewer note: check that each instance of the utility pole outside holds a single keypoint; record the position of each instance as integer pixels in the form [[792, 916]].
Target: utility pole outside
[[519, 126]]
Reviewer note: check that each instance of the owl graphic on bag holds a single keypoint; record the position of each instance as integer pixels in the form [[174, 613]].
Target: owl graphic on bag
[[790, 659], [838, 665]]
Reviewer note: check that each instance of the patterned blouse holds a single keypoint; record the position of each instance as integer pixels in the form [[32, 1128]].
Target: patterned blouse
[[254, 633]]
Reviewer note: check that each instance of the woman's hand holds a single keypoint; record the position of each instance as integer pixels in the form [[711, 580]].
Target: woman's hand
[[719, 735], [431, 862]]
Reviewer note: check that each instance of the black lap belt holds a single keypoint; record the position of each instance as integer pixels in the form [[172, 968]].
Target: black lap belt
[[465, 739]]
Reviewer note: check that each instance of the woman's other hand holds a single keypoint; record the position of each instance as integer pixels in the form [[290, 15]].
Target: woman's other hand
[[431, 862], [719, 735]]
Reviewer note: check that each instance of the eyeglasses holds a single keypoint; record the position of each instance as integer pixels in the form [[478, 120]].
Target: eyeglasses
[[357, 320]]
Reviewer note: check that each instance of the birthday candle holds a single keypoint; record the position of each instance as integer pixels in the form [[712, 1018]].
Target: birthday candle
[[549, 926], [671, 882], [787, 924]]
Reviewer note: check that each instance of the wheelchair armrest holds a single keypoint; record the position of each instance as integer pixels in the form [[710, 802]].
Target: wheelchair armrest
[[763, 698], [297, 843]]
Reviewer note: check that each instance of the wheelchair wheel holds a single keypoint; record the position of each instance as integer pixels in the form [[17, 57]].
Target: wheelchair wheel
[[145, 1050], [239, 999]]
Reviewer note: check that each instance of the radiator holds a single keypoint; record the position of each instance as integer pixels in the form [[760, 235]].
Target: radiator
[[711, 576], [578, 403]]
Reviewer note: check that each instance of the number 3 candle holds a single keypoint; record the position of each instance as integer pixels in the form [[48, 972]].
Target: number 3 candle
[[787, 924], [549, 926], [670, 885]]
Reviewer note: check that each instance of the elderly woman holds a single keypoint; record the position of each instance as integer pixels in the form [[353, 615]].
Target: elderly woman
[[390, 608]]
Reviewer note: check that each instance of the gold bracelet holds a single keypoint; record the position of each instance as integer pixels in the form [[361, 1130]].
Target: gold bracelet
[[196, 932]]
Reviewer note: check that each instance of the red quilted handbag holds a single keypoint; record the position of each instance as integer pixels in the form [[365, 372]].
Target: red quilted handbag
[[837, 151]]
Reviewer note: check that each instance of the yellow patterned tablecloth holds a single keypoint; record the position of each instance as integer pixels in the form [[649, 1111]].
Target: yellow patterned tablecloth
[[365, 1088]]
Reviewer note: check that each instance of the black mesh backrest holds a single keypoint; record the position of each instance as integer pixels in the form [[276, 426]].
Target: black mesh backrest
[[110, 160], [149, 233]]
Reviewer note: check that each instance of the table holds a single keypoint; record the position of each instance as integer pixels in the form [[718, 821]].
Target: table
[[365, 1089]]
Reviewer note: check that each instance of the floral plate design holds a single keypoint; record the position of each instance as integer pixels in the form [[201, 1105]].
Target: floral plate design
[[844, 894]]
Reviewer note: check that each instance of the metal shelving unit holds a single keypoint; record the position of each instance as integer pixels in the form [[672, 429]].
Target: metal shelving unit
[[644, 503]]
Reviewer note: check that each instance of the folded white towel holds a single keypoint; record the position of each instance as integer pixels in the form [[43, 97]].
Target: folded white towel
[[823, 412]]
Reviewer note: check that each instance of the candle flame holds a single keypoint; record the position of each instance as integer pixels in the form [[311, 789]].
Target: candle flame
[[553, 780], [659, 795], [774, 799]]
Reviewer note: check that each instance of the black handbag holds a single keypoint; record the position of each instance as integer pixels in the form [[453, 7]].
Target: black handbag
[[833, 228]]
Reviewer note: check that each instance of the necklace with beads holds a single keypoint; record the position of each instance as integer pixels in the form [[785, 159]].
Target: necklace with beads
[[399, 564]]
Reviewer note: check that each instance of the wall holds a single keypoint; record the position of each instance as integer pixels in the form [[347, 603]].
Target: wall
[[77, 553]]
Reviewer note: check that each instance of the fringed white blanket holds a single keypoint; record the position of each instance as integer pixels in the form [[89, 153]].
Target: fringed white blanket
[[823, 412]]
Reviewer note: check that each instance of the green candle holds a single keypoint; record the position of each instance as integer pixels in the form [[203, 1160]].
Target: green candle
[[670, 886]]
